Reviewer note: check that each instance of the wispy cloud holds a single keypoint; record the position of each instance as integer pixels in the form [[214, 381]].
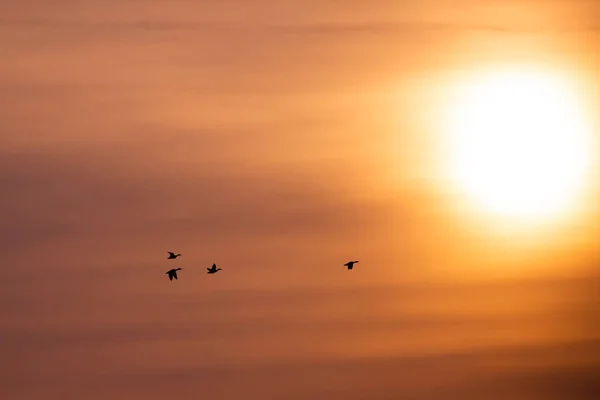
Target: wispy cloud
[[333, 28], [51, 199]]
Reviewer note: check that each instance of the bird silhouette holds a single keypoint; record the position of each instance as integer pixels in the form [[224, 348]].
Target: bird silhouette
[[213, 269], [172, 255], [173, 273], [350, 264]]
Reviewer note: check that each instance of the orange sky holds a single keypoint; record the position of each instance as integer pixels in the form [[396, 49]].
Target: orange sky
[[278, 139]]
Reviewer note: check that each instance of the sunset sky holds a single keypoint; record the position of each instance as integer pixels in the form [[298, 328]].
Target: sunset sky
[[281, 139]]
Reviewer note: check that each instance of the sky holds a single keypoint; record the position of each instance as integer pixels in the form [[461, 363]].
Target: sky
[[278, 139]]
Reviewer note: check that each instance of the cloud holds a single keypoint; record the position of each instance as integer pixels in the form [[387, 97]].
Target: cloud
[[58, 199], [518, 372], [462, 375], [333, 28]]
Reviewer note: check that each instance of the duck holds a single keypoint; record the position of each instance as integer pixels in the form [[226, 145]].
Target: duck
[[172, 255], [350, 264], [173, 273], [213, 269]]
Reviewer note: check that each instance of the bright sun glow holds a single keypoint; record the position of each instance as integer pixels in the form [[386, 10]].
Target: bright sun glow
[[519, 143]]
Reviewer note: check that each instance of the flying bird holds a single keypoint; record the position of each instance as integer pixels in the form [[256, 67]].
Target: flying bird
[[172, 255], [213, 269], [350, 264], [173, 273]]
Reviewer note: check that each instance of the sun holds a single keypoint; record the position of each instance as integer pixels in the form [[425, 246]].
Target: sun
[[519, 143]]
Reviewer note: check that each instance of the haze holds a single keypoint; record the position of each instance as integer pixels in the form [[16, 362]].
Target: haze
[[280, 139]]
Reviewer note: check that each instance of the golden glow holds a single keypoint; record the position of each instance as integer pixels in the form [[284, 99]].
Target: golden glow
[[519, 143]]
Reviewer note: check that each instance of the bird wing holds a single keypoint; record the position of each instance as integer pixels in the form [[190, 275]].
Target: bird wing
[[170, 276], [175, 275]]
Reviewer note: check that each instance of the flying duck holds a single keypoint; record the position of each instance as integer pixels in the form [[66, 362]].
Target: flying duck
[[173, 273], [213, 269], [350, 264]]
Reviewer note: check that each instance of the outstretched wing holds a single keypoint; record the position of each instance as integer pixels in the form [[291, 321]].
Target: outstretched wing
[[175, 275], [170, 276]]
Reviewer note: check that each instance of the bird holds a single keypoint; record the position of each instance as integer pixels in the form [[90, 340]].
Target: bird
[[173, 273], [213, 269], [172, 255], [350, 264]]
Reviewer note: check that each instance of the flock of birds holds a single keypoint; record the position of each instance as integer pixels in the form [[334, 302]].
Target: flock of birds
[[213, 270]]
